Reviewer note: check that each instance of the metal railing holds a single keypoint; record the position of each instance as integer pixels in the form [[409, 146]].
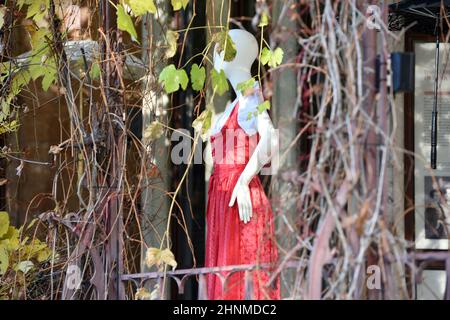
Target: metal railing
[[223, 273], [418, 262]]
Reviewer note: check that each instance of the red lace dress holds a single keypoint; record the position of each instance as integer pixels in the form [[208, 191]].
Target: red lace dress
[[229, 240]]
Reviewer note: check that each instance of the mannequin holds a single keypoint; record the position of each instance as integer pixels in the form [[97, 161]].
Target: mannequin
[[238, 71], [239, 217]]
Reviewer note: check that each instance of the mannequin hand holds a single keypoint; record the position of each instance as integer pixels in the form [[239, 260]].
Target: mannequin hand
[[241, 193]]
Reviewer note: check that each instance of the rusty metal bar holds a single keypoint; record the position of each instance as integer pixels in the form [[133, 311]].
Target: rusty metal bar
[[248, 291], [202, 271], [202, 290]]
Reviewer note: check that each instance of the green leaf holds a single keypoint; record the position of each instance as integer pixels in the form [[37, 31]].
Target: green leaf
[[264, 20], [49, 75], [198, 76], [38, 9], [141, 7], [266, 55], [41, 62], [172, 38], [20, 79], [225, 43], [39, 41], [4, 260], [264, 106], [244, 86], [178, 4], [36, 70], [21, 3], [47, 81], [4, 223], [40, 53], [125, 23], [277, 58], [10, 239], [44, 254], [5, 126], [94, 73], [203, 123], [35, 249], [219, 81], [273, 59], [172, 78]]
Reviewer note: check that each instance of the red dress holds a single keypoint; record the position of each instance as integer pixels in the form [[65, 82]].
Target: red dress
[[229, 240]]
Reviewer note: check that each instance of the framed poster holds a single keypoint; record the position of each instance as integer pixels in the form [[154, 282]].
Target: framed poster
[[431, 187]]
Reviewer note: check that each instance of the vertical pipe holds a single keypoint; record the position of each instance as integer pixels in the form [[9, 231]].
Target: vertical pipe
[[112, 69], [383, 109], [434, 114], [370, 147]]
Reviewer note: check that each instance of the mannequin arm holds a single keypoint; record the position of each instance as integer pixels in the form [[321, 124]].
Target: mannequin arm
[[260, 157]]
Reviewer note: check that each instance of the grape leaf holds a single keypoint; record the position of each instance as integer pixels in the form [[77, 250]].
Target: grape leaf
[[44, 254], [4, 260], [141, 7], [244, 86], [94, 73], [225, 43], [277, 58], [264, 20], [37, 9], [203, 123], [219, 82], [167, 257], [35, 70], [20, 79], [49, 78], [172, 78], [172, 38], [142, 294], [125, 23], [49, 74], [21, 3], [40, 52], [198, 76], [178, 4], [266, 54], [156, 256], [4, 223], [263, 106], [10, 239], [272, 58], [6, 127]]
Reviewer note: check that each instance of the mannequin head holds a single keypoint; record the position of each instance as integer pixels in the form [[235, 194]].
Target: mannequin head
[[238, 70]]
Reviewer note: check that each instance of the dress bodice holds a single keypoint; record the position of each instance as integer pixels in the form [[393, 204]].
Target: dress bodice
[[246, 108], [232, 147]]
